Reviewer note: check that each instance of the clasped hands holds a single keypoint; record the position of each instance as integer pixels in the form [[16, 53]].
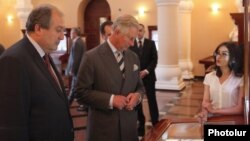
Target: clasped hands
[[121, 102], [202, 116]]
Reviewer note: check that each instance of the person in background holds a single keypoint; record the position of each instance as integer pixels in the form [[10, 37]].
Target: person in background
[[106, 29], [76, 53], [33, 103], [109, 83], [146, 50], [223, 87], [2, 49]]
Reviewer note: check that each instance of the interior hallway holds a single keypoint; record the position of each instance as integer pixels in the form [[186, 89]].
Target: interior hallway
[[171, 104]]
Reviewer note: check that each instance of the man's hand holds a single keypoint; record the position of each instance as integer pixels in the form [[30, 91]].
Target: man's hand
[[143, 73], [133, 99], [119, 101]]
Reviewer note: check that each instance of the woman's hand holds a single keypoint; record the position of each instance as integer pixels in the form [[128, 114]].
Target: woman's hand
[[208, 106], [202, 116]]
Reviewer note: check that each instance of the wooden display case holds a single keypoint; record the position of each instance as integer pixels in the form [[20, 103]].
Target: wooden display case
[[189, 128]]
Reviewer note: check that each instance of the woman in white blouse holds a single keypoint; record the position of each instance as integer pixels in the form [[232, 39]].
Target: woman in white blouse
[[223, 87]]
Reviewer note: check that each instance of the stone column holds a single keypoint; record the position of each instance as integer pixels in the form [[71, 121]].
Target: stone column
[[185, 9], [168, 71], [23, 8]]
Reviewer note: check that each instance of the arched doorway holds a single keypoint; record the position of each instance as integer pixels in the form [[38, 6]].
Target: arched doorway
[[95, 10]]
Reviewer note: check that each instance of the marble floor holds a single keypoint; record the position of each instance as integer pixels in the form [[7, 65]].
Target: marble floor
[[172, 104]]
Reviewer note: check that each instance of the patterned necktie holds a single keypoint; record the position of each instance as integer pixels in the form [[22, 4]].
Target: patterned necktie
[[52, 73], [120, 60]]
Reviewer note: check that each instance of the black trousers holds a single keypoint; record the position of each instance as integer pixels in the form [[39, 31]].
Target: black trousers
[[152, 104]]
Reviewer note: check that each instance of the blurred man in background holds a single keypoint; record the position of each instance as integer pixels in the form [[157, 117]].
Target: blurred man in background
[[146, 51]]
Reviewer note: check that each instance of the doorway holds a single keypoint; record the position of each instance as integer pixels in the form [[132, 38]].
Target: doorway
[[95, 11]]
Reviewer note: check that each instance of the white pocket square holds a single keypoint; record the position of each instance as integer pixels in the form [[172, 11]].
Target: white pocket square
[[135, 67]]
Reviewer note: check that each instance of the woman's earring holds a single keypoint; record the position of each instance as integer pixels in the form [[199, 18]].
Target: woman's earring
[[232, 63]]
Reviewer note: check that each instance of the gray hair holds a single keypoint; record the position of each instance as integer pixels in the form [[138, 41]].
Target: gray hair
[[41, 15], [76, 30], [124, 23]]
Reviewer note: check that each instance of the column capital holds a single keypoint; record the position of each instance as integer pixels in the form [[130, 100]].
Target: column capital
[[239, 5], [23, 8], [186, 5], [167, 2]]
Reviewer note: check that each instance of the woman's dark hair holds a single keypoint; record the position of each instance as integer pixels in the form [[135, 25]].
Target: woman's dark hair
[[235, 63]]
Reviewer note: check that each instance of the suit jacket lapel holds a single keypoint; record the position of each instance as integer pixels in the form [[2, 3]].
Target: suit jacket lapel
[[126, 64], [40, 63], [59, 79], [111, 63], [135, 48], [128, 68]]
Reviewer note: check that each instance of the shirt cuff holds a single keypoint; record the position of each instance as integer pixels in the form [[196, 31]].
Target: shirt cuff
[[146, 71], [111, 101], [140, 99]]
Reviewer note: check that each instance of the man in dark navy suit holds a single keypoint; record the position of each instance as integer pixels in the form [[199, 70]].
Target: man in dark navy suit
[[33, 102], [146, 50]]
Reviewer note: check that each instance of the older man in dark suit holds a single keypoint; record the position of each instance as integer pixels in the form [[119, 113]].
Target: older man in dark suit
[[33, 103], [146, 50], [109, 82]]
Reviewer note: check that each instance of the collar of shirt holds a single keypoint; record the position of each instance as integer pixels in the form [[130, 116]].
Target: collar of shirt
[[142, 40], [114, 50], [36, 45]]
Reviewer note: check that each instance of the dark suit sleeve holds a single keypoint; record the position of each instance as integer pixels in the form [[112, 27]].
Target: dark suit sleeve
[[140, 88], [13, 101], [77, 56], [153, 58]]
